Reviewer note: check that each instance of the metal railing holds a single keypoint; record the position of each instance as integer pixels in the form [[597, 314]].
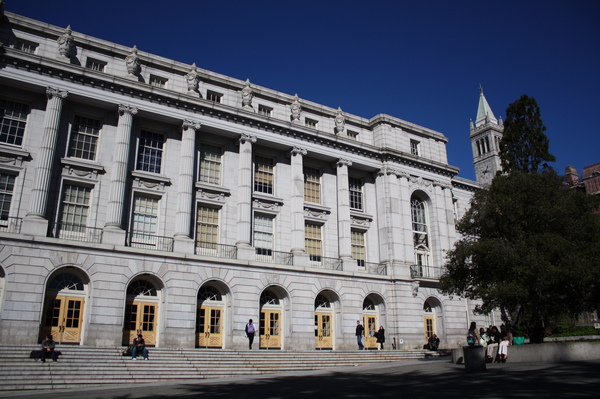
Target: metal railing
[[78, 232], [379, 269], [216, 250], [10, 225], [322, 262], [149, 241], [428, 272], [277, 257]]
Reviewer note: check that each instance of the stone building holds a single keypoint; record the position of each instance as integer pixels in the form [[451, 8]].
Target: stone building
[[144, 195]]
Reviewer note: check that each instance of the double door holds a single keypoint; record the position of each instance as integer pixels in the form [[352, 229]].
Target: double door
[[323, 331], [209, 333], [140, 318], [370, 325], [270, 329], [63, 319]]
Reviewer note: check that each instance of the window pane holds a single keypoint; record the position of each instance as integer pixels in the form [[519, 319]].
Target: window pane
[[12, 124], [84, 138], [263, 175], [313, 241], [358, 247], [75, 205], [210, 164], [207, 227], [7, 186], [150, 152], [263, 234], [145, 215], [356, 199], [312, 185]]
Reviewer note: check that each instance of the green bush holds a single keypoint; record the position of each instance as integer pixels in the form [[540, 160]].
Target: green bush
[[573, 331]]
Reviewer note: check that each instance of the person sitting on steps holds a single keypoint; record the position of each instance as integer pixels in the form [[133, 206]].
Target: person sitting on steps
[[139, 345]]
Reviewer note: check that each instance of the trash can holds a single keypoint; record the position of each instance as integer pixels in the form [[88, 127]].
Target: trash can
[[474, 358]]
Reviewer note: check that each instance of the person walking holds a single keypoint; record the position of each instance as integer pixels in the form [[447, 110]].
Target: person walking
[[250, 331], [360, 331], [380, 335]]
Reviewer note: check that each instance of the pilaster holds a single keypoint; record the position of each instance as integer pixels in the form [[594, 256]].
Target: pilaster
[[244, 206], [297, 199]]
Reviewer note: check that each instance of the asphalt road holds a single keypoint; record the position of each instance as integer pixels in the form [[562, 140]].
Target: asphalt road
[[437, 379]]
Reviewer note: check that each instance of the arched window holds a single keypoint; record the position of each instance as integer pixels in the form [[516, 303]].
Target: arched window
[[66, 281], [141, 288], [368, 304], [322, 302], [420, 231], [269, 298], [209, 293]]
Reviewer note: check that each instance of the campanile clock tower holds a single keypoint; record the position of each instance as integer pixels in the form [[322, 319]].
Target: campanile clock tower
[[486, 133]]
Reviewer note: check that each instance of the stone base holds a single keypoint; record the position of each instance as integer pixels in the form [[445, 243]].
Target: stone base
[[183, 244], [113, 236], [35, 226]]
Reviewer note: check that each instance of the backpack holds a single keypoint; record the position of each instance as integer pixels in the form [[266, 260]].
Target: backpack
[[471, 338], [249, 328]]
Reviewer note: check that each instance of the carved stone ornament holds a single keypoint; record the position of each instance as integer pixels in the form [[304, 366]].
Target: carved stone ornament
[[419, 181], [340, 122], [247, 138], [265, 205], [415, 288], [296, 108], [211, 195], [298, 151], [343, 162], [188, 124], [247, 95], [132, 61], [127, 109], [65, 43], [192, 78], [52, 92]]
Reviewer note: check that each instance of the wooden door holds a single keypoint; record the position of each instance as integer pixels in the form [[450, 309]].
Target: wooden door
[[429, 327], [209, 333], [370, 325], [323, 331], [63, 318], [270, 329], [140, 318]]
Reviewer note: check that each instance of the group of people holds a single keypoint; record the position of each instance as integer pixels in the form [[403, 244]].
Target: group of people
[[360, 333], [492, 338]]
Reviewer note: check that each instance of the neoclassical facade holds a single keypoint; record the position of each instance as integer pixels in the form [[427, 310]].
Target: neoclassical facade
[[143, 195]]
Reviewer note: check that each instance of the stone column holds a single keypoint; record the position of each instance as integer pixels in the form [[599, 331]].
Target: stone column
[[388, 213], [343, 202], [113, 231], [407, 255], [297, 200], [183, 242], [43, 171], [244, 207]]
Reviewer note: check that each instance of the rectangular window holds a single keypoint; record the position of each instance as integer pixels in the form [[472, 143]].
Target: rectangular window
[[263, 235], [264, 110], [213, 96], [84, 138], [358, 247], [150, 152], [210, 164], [12, 124], [75, 207], [7, 187], [158, 81], [207, 227], [145, 220], [312, 185], [312, 241], [263, 174], [26, 46], [356, 196], [352, 135], [310, 123], [414, 147], [95, 65]]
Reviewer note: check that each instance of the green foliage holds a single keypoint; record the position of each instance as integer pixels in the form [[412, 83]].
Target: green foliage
[[530, 247], [524, 146]]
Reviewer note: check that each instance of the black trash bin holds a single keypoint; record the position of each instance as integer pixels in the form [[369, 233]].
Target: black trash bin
[[474, 358]]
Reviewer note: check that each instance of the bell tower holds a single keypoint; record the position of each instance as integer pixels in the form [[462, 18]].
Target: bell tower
[[486, 133]]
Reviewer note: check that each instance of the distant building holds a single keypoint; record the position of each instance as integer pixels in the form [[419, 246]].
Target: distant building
[[143, 195]]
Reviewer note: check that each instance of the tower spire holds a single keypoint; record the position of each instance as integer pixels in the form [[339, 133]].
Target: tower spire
[[484, 111]]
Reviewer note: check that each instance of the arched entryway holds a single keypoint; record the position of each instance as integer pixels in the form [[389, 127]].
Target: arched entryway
[[325, 320], [372, 319], [271, 318], [210, 316], [432, 322], [141, 310], [64, 304]]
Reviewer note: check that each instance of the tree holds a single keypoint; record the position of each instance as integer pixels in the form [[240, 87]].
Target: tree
[[531, 248], [524, 146]]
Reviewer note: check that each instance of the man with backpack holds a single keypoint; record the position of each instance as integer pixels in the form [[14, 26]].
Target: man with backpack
[[250, 330]]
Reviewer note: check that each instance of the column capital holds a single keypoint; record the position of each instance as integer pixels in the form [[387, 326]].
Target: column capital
[[189, 124], [298, 151], [127, 109], [343, 162], [54, 92], [247, 138], [442, 185]]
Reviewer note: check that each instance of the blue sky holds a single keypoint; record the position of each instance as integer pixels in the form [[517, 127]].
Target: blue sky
[[421, 61]]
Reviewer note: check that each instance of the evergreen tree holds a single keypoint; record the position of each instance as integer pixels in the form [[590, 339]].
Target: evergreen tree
[[531, 248], [524, 146]]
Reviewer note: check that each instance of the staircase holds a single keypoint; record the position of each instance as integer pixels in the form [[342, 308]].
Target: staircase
[[81, 366]]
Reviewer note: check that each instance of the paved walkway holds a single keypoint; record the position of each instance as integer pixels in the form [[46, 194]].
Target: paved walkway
[[437, 379]]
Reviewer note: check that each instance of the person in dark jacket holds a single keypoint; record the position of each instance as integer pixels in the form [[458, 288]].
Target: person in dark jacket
[[434, 342], [48, 346], [380, 335]]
